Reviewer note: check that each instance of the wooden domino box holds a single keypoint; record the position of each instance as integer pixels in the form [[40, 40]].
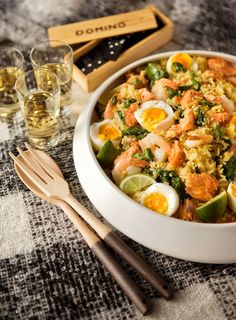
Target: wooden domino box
[[156, 37]]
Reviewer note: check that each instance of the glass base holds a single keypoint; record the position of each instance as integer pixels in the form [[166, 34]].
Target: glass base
[[66, 99], [44, 143], [7, 112]]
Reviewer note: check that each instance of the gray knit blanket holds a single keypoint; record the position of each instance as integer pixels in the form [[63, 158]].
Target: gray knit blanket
[[46, 269]]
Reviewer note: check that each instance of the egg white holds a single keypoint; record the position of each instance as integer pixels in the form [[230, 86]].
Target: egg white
[[97, 142], [193, 67], [166, 190], [231, 197], [162, 125]]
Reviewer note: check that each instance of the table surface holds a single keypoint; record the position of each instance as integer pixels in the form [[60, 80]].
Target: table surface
[[46, 269]]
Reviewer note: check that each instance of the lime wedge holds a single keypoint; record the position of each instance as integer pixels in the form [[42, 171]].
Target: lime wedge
[[135, 182], [107, 154], [213, 209]]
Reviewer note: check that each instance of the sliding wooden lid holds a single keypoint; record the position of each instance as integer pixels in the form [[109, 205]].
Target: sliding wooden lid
[[114, 25]]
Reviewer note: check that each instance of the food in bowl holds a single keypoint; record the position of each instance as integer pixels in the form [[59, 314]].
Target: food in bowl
[[166, 136]]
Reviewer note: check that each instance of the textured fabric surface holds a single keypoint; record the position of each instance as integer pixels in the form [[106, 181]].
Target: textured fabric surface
[[46, 269]]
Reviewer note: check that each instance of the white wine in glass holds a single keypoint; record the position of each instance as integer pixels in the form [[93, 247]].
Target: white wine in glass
[[57, 57], [64, 74], [11, 68], [39, 96], [43, 125]]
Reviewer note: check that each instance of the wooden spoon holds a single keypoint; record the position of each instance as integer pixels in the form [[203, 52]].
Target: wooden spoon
[[105, 233]]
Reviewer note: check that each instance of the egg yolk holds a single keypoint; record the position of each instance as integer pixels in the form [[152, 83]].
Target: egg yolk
[[151, 117], [157, 202], [233, 189], [184, 59], [232, 128], [108, 132]]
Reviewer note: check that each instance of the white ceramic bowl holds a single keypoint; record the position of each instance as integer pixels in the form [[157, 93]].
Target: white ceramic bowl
[[208, 243]]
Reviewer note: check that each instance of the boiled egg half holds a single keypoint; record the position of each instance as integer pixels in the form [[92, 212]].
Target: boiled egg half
[[102, 131], [232, 128], [182, 59], [161, 198], [155, 115], [231, 192]]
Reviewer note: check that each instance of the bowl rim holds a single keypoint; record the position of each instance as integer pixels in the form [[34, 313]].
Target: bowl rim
[[92, 103]]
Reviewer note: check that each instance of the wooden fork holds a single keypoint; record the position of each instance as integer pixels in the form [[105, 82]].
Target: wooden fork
[[49, 182]]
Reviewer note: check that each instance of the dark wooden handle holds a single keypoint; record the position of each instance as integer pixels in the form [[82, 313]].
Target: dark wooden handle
[[121, 277], [118, 245]]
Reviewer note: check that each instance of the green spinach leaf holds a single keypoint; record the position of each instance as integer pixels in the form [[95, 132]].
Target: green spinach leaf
[[178, 67], [121, 116], [205, 102], [173, 180], [155, 72], [196, 85], [218, 133], [172, 92], [200, 118], [147, 155], [137, 132], [128, 102], [114, 100], [230, 169]]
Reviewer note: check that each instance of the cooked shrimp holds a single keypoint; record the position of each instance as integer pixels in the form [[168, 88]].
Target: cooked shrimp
[[190, 98], [176, 156], [126, 155], [110, 108], [160, 148], [201, 186], [187, 210], [227, 104], [213, 98], [125, 161], [185, 124], [153, 139], [146, 95], [222, 66], [197, 140], [160, 88], [130, 119], [221, 117]]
